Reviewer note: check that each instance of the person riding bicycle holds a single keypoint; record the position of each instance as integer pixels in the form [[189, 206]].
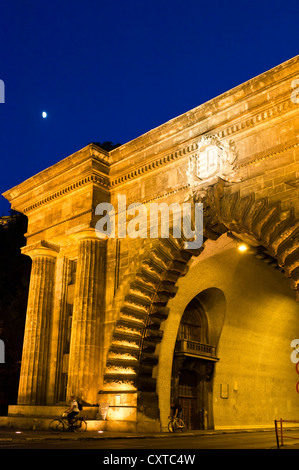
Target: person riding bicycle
[[73, 410], [177, 413]]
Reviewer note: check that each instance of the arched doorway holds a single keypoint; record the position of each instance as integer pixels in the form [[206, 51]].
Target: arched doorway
[[193, 364]]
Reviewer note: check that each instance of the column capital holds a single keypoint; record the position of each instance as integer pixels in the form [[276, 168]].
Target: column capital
[[41, 248], [88, 234]]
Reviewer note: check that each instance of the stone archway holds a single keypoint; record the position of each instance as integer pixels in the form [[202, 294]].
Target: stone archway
[[276, 230], [132, 358]]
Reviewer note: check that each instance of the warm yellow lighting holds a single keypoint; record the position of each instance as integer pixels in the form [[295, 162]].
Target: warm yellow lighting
[[117, 399], [120, 370], [125, 343], [119, 385], [242, 248], [125, 356]]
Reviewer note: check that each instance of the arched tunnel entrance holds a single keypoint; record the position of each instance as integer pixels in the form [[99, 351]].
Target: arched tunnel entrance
[[226, 342], [256, 301]]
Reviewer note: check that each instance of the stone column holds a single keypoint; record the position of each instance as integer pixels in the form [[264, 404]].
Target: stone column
[[35, 357], [57, 329], [88, 309]]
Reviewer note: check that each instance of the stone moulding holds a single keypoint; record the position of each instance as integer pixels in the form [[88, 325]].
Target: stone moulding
[[40, 248], [96, 179], [270, 113], [264, 155], [223, 134], [240, 96], [105, 183]]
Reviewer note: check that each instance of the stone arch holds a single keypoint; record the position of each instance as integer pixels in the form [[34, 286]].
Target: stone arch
[[214, 304], [274, 229], [194, 322], [132, 355]]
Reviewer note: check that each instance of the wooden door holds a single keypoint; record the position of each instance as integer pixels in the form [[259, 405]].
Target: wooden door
[[187, 394]]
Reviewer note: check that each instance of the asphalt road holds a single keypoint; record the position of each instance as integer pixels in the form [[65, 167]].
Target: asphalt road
[[242, 440]]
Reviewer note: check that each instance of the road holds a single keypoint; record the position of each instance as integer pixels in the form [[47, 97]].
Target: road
[[242, 440]]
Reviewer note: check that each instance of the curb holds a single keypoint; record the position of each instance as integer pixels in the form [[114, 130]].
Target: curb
[[78, 437], [95, 438]]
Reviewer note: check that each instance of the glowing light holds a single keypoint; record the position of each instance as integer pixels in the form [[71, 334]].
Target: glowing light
[[130, 317], [242, 248], [125, 356], [125, 343], [44, 114], [120, 370], [119, 385], [132, 331]]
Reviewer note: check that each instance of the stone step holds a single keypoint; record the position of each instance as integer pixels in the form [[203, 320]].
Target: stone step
[[48, 411], [42, 424]]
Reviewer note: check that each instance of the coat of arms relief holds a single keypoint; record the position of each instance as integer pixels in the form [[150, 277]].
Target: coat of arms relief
[[214, 160]]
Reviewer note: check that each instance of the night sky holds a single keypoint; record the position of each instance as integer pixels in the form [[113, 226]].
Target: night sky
[[112, 70]]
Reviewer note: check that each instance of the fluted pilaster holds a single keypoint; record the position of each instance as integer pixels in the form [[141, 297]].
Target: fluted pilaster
[[35, 358], [84, 361], [57, 329]]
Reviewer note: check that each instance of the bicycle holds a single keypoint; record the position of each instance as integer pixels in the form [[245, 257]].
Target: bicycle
[[175, 424], [61, 424]]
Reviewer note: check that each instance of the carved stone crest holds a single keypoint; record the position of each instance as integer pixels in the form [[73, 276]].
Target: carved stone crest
[[213, 160]]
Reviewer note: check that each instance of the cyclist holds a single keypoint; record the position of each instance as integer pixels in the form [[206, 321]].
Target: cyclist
[[72, 411], [177, 412]]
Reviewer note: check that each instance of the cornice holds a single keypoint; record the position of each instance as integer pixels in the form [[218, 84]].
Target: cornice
[[243, 98], [272, 112], [41, 248], [154, 164], [100, 180], [91, 153], [240, 126], [264, 155], [104, 182]]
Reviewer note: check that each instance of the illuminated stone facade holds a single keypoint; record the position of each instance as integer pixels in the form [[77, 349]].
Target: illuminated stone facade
[[105, 316]]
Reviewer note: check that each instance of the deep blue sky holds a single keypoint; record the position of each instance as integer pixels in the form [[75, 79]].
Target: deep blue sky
[[113, 70]]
